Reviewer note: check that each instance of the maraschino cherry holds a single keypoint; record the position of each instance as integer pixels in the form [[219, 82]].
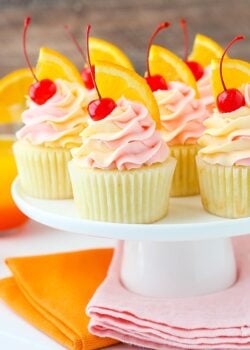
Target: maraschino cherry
[[195, 67], [102, 107], [85, 73], [156, 82], [230, 99], [41, 91]]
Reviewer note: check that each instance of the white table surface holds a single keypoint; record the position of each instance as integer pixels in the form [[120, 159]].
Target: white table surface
[[31, 239]]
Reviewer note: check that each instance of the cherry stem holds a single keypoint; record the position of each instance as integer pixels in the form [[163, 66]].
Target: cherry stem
[[89, 62], [160, 27], [237, 38], [183, 24], [25, 28], [75, 41]]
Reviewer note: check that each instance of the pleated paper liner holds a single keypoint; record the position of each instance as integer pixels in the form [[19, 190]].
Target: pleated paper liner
[[129, 196], [185, 181], [225, 191], [43, 171]]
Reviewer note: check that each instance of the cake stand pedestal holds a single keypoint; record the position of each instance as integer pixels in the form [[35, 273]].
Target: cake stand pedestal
[[187, 253]]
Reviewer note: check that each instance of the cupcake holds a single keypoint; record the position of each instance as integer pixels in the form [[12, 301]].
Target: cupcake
[[182, 117], [122, 172], [224, 162], [43, 145], [182, 112]]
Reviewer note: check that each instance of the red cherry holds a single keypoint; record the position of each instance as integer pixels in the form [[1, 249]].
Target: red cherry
[[194, 66], [196, 69], [87, 77], [100, 109], [230, 99], [42, 90], [156, 82]]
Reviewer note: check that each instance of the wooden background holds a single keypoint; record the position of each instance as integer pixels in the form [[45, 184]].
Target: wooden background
[[127, 23]]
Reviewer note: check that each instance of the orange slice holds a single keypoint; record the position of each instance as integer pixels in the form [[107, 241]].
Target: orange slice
[[101, 50], [170, 66], [13, 89], [53, 65], [115, 81], [204, 50], [235, 74]]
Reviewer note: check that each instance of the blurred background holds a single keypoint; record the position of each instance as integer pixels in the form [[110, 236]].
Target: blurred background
[[127, 23]]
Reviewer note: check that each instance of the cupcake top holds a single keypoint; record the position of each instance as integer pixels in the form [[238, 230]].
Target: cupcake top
[[182, 115], [125, 139], [59, 121], [205, 89], [226, 141]]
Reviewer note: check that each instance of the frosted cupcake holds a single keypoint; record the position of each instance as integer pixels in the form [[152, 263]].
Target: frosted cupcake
[[182, 112], [224, 160], [122, 172], [182, 117], [43, 145]]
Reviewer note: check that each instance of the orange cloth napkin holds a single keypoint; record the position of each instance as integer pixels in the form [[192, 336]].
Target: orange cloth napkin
[[52, 291]]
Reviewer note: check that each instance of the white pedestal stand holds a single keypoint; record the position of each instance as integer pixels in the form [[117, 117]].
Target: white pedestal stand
[[188, 253]]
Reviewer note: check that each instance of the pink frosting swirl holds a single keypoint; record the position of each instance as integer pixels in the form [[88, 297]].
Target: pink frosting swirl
[[59, 121], [205, 90], [182, 115], [125, 139]]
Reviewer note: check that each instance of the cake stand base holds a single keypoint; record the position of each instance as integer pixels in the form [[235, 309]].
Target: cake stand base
[[178, 269]]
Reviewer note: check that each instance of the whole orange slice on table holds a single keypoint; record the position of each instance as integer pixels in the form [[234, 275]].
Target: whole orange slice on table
[[115, 81], [102, 50], [164, 62], [205, 50], [13, 89], [235, 74]]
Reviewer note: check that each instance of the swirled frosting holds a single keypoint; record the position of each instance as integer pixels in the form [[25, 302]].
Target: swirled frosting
[[182, 115], [125, 139], [59, 121], [205, 90], [226, 140]]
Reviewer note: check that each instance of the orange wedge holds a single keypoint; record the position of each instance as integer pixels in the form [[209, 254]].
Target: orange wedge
[[53, 65], [13, 89], [115, 81], [205, 50], [101, 50], [170, 66], [235, 74]]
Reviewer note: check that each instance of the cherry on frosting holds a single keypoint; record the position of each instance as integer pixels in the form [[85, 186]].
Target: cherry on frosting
[[100, 108], [230, 99], [41, 91], [194, 66], [157, 81], [85, 73]]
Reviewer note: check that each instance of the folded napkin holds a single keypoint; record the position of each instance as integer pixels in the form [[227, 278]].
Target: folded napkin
[[215, 321], [52, 291]]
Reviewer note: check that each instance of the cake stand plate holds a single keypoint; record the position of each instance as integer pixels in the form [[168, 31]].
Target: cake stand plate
[[187, 253]]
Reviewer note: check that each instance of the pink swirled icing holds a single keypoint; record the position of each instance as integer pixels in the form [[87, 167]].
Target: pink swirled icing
[[226, 140], [182, 115], [59, 121], [205, 90], [125, 139]]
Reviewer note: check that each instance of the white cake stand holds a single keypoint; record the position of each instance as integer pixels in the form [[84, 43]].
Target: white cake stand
[[188, 253]]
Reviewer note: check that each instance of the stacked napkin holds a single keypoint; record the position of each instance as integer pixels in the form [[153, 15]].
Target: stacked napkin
[[216, 321], [52, 291]]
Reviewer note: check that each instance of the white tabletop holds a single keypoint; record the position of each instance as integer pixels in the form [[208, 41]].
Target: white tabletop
[[32, 239]]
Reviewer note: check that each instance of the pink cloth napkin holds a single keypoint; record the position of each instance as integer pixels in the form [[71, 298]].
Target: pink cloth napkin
[[216, 321]]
